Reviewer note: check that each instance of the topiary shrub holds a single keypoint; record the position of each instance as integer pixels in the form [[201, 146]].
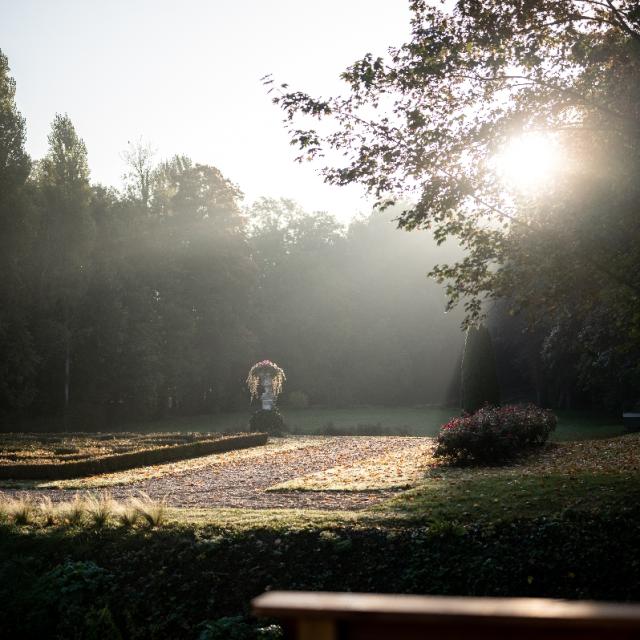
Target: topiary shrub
[[479, 374], [494, 435], [265, 421]]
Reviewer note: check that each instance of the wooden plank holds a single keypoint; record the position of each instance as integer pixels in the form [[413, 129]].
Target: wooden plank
[[316, 630], [447, 612]]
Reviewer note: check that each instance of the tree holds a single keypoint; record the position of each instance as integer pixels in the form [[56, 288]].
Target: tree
[[202, 274], [64, 244], [428, 122], [138, 177], [479, 376], [17, 354]]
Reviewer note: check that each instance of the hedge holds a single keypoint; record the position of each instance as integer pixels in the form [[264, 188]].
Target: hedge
[[129, 460], [174, 582]]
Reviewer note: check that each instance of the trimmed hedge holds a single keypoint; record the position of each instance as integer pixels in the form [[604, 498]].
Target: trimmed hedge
[[129, 460]]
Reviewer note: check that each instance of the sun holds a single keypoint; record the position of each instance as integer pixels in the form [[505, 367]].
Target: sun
[[528, 162]]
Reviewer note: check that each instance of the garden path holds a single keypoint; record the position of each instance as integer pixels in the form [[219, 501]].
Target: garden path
[[241, 481]]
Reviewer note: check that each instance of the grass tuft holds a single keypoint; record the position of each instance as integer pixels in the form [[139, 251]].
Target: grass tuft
[[72, 512], [100, 509], [127, 514], [48, 510], [21, 510], [152, 511]]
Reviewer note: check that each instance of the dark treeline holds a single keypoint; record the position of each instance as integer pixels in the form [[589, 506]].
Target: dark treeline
[[156, 299]]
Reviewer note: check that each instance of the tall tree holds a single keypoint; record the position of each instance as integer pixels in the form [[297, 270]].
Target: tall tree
[[17, 354], [138, 177], [479, 375], [66, 233]]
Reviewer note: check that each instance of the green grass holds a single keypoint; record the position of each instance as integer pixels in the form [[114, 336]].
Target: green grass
[[574, 425], [485, 500], [420, 421]]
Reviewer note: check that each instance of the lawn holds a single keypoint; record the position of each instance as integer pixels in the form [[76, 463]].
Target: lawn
[[419, 421], [560, 522]]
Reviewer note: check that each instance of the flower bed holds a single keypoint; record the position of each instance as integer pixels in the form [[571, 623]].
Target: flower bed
[[495, 434]]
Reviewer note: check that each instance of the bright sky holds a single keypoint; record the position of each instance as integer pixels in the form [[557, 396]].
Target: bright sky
[[186, 77]]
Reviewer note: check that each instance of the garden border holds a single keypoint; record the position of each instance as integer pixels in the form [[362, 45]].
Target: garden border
[[128, 460]]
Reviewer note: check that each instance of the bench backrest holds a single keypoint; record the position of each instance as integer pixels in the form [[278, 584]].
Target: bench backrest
[[356, 616]]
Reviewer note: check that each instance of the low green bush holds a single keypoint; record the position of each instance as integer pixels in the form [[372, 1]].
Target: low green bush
[[237, 628], [266, 421], [495, 434]]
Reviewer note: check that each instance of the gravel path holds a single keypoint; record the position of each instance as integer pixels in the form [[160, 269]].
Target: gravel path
[[243, 483]]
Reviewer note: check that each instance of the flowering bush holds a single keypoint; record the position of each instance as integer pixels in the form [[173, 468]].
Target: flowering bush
[[265, 366], [495, 434]]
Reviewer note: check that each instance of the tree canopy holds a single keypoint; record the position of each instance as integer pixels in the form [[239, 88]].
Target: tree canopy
[[429, 121], [426, 121]]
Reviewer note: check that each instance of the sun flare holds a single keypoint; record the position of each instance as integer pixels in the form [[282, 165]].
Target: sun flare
[[528, 161]]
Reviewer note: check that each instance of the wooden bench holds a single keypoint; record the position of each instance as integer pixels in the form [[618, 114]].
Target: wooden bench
[[358, 616]]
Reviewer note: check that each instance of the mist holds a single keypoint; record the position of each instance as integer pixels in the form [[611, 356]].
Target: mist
[[153, 300]]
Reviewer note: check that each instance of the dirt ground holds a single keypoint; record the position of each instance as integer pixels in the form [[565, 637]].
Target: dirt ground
[[242, 479]]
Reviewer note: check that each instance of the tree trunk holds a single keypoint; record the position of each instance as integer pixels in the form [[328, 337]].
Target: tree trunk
[[67, 371]]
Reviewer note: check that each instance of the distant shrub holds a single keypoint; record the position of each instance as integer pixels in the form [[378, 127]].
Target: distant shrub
[[298, 400], [267, 421], [493, 435]]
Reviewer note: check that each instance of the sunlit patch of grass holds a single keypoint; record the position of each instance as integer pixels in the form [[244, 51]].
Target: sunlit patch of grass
[[492, 498], [398, 469], [282, 520], [587, 474]]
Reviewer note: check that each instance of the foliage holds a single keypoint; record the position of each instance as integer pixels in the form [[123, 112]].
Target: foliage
[[363, 341], [493, 435], [181, 581], [426, 122], [267, 421], [148, 303], [479, 374], [18, 357], [236, 628], [72, 598], [265, 367]]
